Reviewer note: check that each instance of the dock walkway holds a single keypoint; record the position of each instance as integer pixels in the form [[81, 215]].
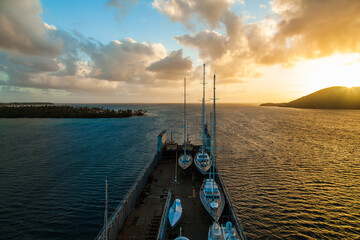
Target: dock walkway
[[144, 220]]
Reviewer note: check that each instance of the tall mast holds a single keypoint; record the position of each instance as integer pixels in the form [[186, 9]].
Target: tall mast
[[213, 147], [185, 126], [106, 209], [210, 172], [214, 113], [210, 120], [176, 170], [203, 113]]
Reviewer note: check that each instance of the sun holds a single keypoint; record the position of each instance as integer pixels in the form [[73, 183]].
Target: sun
[[351, 84], [337, 70]]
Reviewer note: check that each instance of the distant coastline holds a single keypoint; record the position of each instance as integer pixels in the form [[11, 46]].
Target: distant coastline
[[49, 110], [19, 104], [327, 98], [273, 104]]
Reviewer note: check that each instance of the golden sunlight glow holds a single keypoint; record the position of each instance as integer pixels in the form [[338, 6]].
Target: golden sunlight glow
[[337, 70], [284, 84]]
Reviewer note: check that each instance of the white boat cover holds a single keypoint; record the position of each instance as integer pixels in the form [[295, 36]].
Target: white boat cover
[[202, 162], [211, 190], [215, 232], [210, 186], [203, 159], [227, 232], [185, 158], [175, 213]]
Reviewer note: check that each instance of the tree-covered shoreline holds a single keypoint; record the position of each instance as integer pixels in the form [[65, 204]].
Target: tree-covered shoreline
[[65, 111]]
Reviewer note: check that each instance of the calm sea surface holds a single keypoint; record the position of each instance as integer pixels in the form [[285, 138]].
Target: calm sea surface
[[291, 173]]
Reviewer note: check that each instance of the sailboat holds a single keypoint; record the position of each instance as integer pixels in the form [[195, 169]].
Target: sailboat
[[175, 213], [202, 159], [181, 237], [211, 195], [227, 232], [185, 160], [171, 145]]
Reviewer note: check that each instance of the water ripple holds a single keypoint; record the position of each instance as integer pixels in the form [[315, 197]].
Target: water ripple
[[294, 174], [291, 173]]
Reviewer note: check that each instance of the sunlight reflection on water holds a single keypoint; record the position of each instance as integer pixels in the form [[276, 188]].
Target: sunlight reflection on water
[[291, 173]]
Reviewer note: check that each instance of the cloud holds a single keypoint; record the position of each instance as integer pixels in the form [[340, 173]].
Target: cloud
[[208, 11], [314, 29], [125, 60], [23, 31], [72, 83], [227, 54], [86, 65], [211, 44], [300, 29], [123, 6], [81, 64], [36, 54], [118, 61], [172, 67], [262, 6]]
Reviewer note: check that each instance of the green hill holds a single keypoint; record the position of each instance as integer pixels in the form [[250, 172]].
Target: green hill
[[327, 98]]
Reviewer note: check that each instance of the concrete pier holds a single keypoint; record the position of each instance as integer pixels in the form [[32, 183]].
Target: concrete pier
[[144, 220], [142, 214]]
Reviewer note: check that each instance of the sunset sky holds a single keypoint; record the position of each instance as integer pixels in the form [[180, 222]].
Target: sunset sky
[[137, 51]]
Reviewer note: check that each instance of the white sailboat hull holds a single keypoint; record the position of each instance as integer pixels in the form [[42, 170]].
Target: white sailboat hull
[[215, 213], [175, 213], [185, 161], [181, 238], [202, 166], [227, 232]]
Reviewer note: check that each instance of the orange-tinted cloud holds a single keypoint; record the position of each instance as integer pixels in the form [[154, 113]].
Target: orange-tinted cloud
[[207, 11], [34, 59], [172, 67], [318, 28], [299, 29], [211, 44], [35, 54]]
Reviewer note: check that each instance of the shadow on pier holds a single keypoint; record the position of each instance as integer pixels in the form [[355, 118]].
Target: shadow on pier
[[143, 213], [144, 221]]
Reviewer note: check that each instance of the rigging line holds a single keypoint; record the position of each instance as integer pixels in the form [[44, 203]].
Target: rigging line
[[213, 154]]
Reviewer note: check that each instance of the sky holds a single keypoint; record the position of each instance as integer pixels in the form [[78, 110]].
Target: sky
[[137, 51]]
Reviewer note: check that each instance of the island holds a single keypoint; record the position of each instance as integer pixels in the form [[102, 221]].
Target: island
[[30, 104], [327, 98], [48, 110]]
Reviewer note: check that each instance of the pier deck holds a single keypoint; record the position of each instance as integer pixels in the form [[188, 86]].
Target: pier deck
[[142, 214], [144, 220]]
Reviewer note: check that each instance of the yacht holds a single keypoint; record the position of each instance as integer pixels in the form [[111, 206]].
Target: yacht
[[227, 232], [181, 237], [175, 213], [185, 160], [202, 158], [211, 195]]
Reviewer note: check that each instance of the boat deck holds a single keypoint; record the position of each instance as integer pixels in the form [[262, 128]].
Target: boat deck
[[144, 220]]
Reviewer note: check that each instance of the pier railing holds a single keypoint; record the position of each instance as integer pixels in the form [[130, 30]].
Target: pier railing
[[233, 216], [229, 206], [117, 219], [162, 228], [123, 210]]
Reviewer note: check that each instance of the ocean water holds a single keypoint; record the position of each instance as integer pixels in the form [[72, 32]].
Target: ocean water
[[291, 173]]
